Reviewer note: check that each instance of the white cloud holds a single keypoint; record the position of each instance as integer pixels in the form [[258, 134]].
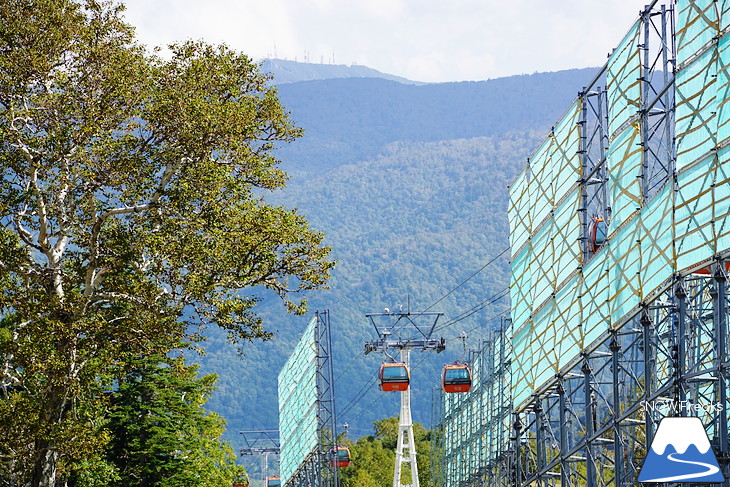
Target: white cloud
[[426, 40]]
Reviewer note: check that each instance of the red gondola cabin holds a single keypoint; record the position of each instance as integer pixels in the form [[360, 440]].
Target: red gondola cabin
[[340, 457], [456, 378], [394, 377], [273, 482], [597, 234]]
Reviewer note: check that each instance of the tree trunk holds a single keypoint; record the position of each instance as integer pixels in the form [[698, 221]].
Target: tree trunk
[[44, 470]]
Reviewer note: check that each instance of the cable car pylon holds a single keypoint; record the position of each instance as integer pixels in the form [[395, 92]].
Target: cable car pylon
[[404, 332]]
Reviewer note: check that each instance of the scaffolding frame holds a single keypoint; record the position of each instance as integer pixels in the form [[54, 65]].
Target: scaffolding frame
[[649, 337], [317, 468]]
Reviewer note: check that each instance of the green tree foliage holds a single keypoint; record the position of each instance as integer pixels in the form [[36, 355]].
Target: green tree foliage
[[373, 457], [160, 433], [131, 208]]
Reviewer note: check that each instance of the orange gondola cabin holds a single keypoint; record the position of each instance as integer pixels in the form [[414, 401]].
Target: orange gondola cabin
[[394, 376], [273, 482], [456, 378], [340, 457]]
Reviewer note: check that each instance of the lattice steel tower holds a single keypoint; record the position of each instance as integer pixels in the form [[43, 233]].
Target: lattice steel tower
[[404, 332]]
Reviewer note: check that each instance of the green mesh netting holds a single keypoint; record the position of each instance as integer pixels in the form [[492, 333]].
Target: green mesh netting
[[624, 262], [520, 286], [694, 232], [564, 156], [565, 231], [657, 251], [297, 404], [622, 80], [624, 167], [541, 262], [519, 213], [697, 24], [722, 200], [696, 108], [594, 300], [541, 185], [723, 89]]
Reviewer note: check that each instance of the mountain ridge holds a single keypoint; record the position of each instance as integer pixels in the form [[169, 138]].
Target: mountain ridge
[[286, 71]]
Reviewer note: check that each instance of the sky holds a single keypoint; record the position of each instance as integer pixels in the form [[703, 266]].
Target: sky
[[422, 40]]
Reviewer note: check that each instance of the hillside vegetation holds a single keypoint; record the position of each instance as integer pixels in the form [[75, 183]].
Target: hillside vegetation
[[409, 184]]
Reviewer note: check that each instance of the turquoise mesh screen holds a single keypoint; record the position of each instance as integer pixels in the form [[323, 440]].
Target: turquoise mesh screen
[[522, 361], [622, 80], [624, 257], [696, 107], [566, 232], [520, 285], [723, 89], [624, 167], [541, 263], [657, 250], [519, 212], [722, 200], [697, 24], [567, 321], [564, 157], [298, 404], [724, 8], [543, 344], [595, 297], [695, 239], [541, 185]]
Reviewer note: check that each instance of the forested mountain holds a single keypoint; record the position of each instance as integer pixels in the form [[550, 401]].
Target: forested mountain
[[409, 184]]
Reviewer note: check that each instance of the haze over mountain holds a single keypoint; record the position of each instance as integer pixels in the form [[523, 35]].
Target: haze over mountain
[[409, 184], [286, 71]]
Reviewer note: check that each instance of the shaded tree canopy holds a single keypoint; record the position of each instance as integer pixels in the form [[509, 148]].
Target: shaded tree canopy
[[132, 207]]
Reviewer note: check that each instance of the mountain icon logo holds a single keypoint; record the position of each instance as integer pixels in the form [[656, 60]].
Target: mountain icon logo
[[680, 452]]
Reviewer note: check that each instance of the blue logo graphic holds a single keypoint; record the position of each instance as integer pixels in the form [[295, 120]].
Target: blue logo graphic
[[680, 452]]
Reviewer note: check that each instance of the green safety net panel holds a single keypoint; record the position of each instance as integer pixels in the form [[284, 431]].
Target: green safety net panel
[[564, 152], [540, 185], [697, 25], [522, 364], [721, 220], [623, 80], [567, 322], [724, 9], [542, 346], [518, 213], [520, 288], [694, 211], [722, 83], [624, 264], [298, 404], [541, 261], [696, 100], [564, 246], [594, 296], [657, 241], [624, 169]]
